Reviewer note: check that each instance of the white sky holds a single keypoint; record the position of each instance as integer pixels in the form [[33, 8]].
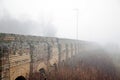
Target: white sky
[[99, 20]]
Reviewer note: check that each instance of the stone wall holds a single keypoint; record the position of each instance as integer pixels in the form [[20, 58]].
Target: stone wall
[[22, 55]]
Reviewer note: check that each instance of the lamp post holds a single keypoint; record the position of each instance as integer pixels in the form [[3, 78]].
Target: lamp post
[[77, 19]]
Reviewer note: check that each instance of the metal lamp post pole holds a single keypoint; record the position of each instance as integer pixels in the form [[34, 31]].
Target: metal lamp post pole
[[77, 19]]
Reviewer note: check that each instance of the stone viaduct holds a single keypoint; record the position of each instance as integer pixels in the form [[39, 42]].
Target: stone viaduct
[[22, 55]]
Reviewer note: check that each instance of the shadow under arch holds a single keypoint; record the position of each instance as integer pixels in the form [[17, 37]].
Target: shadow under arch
[[43, 75], [20, 78], [42, 71]]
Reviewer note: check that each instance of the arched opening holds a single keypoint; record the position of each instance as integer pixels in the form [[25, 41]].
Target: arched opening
[[20, 78], [55, 66], [42, 74], [42, 71]]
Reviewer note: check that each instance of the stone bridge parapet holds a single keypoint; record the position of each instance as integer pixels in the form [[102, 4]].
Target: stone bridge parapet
[[22, 55]]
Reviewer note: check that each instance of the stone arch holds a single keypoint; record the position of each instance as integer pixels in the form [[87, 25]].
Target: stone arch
[[20, 78], [18, 71], [41, 65]]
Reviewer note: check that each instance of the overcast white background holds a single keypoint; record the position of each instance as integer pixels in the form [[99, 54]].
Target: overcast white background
[[99, 20]]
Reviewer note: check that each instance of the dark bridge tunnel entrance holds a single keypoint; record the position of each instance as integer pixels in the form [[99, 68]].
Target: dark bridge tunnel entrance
[[20, 78]]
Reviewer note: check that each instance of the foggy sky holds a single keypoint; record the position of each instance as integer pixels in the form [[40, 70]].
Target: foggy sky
[[99, 20]]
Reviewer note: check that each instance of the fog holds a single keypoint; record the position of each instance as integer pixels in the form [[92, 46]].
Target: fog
[[8, 24], [98, 20]]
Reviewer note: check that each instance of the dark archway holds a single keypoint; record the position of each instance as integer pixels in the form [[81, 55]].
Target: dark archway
[[20, 78], [43, 75], [42, 71]]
